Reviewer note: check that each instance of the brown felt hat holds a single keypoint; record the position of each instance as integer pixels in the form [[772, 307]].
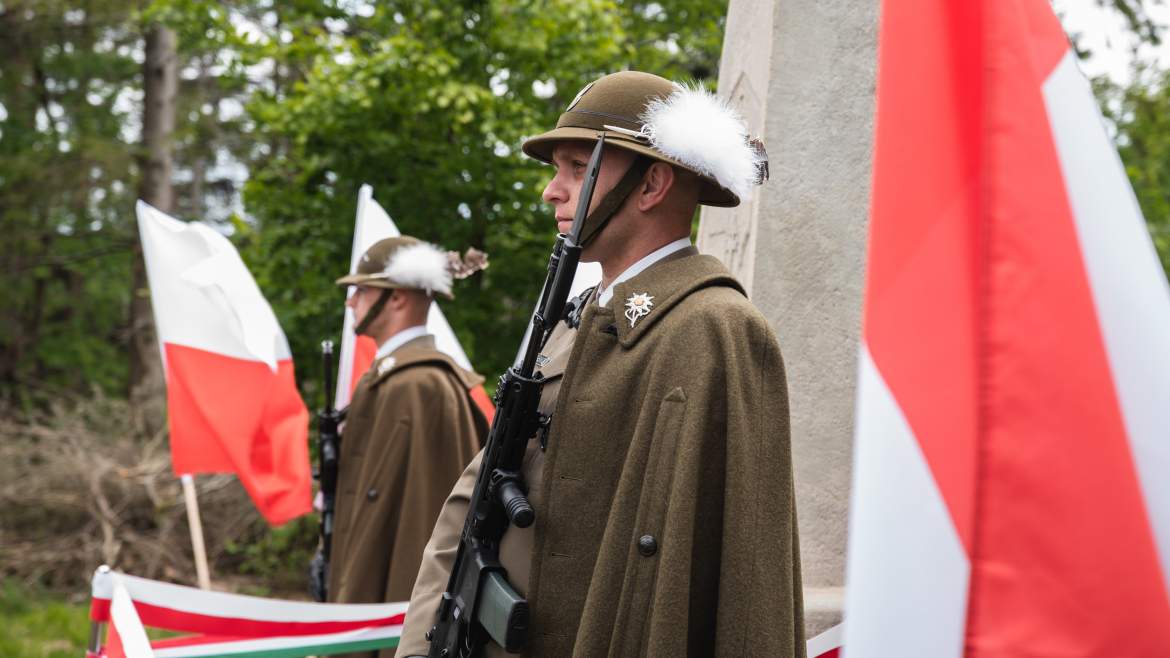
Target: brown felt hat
[[403, 262], [620, 104]]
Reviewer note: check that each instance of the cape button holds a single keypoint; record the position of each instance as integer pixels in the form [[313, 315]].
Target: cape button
[[647, 545], [372, 494]]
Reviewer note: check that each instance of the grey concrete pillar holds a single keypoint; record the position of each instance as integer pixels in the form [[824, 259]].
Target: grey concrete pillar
[[802, 73]]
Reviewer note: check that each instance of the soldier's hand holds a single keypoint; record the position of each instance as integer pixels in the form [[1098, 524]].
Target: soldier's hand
[[318, 577]]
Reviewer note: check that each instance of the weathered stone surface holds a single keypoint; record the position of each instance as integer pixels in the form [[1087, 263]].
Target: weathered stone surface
[[802, 74]]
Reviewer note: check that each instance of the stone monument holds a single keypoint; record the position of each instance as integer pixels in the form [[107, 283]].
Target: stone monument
[[802, 74]]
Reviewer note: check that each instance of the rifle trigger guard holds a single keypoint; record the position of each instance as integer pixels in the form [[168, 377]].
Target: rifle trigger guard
[[545, 423]]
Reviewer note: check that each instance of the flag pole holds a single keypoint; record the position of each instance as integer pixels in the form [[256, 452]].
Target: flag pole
[[201, 571]]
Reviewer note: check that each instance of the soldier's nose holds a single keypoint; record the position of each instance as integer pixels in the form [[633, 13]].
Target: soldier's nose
[[553, 193]]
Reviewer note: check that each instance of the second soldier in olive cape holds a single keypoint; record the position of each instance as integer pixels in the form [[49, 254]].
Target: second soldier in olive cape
[[410, 429]]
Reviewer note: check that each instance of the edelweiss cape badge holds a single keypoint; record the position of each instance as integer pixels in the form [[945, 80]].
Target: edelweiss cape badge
[[637, 306], [385, 364]]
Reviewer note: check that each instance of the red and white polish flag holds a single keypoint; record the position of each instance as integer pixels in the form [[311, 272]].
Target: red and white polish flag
[[1012, 466], [232, 399]]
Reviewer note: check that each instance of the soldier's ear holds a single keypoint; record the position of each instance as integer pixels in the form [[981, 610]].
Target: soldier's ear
[[655, 187]]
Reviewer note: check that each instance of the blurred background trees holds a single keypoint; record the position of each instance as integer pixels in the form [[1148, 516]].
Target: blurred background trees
[[282, 110]]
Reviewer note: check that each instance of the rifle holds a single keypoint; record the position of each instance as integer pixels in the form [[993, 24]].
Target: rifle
[[479, 603], [327, 451]]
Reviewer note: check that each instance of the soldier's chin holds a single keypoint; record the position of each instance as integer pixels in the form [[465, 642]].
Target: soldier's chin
[[590, 254]]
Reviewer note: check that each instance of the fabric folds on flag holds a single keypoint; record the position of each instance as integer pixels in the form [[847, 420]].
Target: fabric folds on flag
[[243, 626], [232, 399], [232, 624], [1010, 495]]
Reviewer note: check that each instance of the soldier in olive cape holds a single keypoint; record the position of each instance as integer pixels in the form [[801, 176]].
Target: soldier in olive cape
[[410, 429], [665, 516]]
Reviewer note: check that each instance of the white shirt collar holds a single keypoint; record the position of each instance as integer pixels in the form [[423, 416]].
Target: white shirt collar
[[604, 295], [399, 339]]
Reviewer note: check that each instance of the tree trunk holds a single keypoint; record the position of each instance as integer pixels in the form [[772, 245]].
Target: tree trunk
[[160, 85]]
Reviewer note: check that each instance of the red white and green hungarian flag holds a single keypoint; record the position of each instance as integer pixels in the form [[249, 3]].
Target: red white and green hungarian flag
[[227, 625], [1012, 467], [222, 625], [232, 400]]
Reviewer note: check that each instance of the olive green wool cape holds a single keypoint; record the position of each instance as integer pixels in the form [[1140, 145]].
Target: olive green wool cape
[[670, 524], [409, 432], [665, 517]]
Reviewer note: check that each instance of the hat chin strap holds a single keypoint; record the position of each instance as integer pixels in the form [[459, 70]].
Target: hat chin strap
[[375, 311], [613, 200]]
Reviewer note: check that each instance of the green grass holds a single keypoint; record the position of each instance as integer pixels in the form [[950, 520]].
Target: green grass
[[40, 624], [36, 624]]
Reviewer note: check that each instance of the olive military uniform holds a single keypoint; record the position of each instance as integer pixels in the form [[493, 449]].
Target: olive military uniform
[[665, 515], [665, 512], [409, 433]]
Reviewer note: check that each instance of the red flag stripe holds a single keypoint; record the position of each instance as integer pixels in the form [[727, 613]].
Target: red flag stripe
[[925, 192], [178, 620], [364, 351], [232, 415], [1060, 520], [113, 648], [981, 319], [483, 403]]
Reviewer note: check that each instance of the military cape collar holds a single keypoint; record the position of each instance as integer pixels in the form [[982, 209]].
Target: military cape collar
[[669, 282], [418, 351]]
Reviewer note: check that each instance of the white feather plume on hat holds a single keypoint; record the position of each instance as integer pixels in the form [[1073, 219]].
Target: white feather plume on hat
[[702, 131], [421, 265]]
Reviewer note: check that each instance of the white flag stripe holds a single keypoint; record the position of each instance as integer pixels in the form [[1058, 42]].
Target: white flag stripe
[[588, 274], [1128, 284], [202, 293], [377, 225], [907, 573], [239, 606], [348, 339], [445, 340], [826, 641], [275, 643], [124, 619]]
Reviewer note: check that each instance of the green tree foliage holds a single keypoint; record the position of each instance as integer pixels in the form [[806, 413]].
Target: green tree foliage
[[428, 102], [67, 107], [1137, 16], [1140, 113], [305, 101]]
